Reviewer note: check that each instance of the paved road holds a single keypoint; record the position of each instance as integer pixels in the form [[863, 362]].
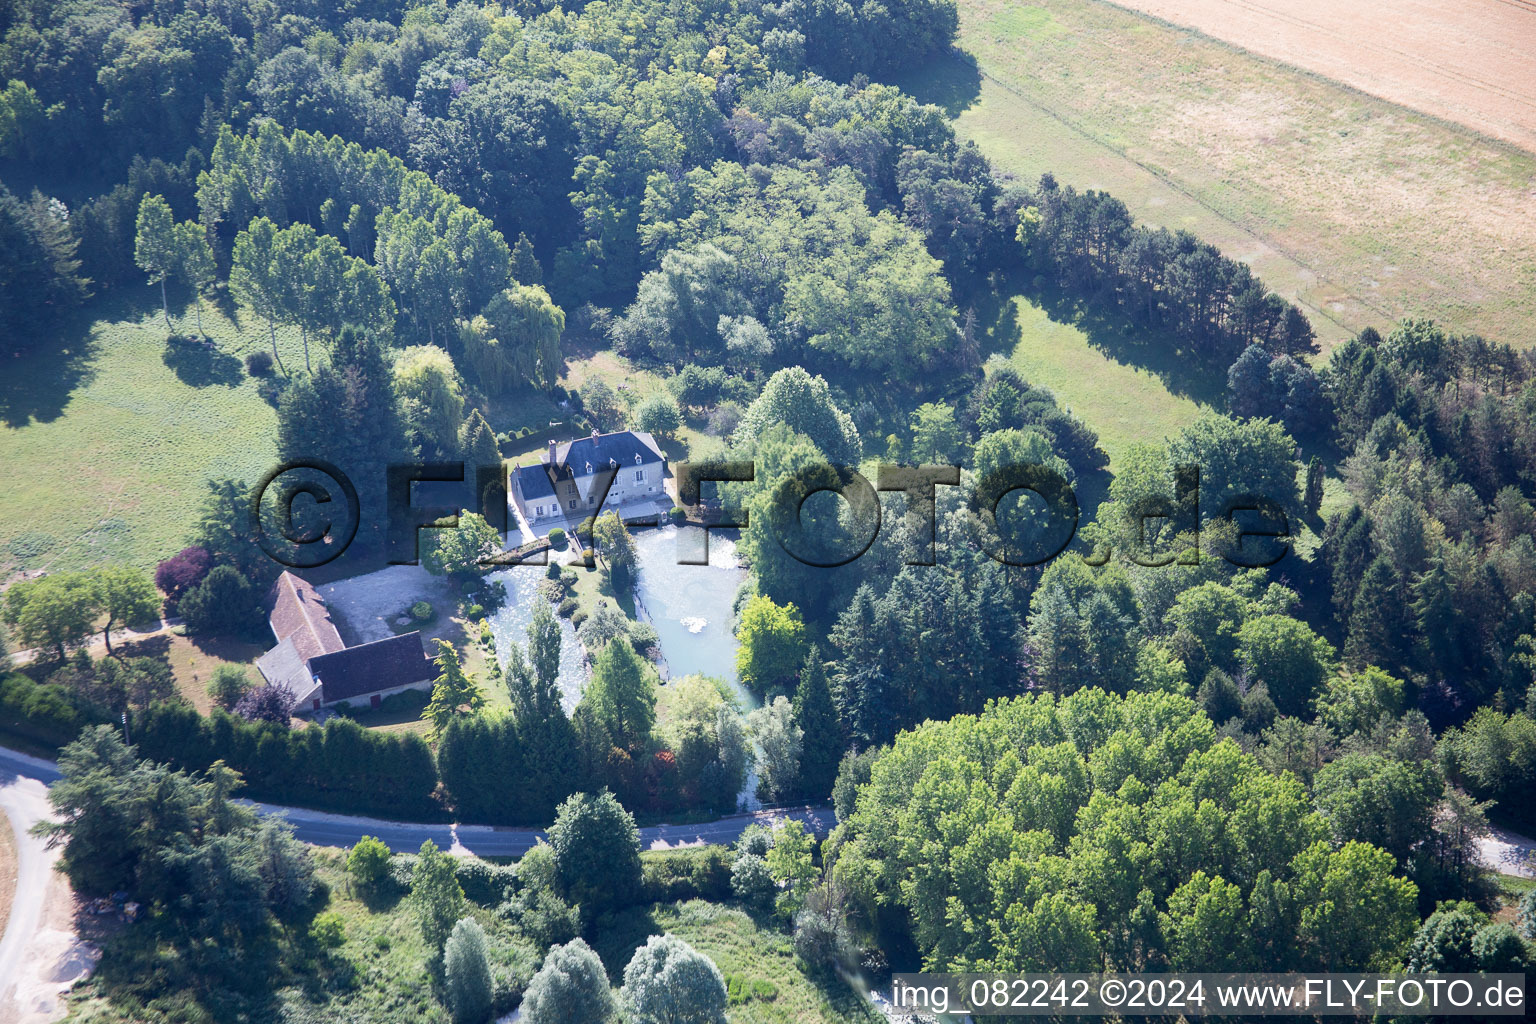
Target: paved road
[[24, 802], [323, 829], [1508, 852]]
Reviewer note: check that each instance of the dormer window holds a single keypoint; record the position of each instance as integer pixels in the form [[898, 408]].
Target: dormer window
[[589, 469], [638, 459]]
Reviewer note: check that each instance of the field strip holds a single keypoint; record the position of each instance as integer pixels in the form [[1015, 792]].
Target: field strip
[[1342, 328], [1360, 209], [1471, 62]]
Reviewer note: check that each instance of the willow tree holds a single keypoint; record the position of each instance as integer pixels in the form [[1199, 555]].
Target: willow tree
[[516, 338]]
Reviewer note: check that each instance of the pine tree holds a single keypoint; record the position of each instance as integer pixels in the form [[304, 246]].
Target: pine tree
[[456, 692], [1057, 633], [1314, 491], [822, 746], [1378, 623], [478, 442], [1440, 627], [1350, 553], [622, 694], [525, 266]]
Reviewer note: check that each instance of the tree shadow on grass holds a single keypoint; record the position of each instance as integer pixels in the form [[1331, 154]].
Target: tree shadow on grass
[[1168, 358], [949, 80], [37, 383], [156, 647], [229, 649], [200, 364]]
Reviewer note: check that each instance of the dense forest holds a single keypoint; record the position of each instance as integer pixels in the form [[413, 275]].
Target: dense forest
[[1151, 751]]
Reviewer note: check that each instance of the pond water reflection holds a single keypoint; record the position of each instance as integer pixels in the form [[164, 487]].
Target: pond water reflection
[[509, 624], [690, 605]]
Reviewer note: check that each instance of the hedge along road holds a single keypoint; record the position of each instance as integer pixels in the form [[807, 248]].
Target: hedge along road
[[322, 829]]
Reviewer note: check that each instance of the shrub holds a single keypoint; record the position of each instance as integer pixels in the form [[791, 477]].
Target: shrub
[[741, 989], [43, 713], [180, 573], [578, 617], [224, 602], [228, 685], [368, 863], [571, 986], [755, 840], [269, 703], [643, 637], [327, 931], [259, 364], [700, 873], [487, 884], [678, 515], [1525, 920], [668, 981], [557, 538], [566, 608], [422, 611], [474, 612], [553, 572], [753, 883]]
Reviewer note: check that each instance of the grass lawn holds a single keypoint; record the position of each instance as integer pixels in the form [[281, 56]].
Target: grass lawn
[[194, 660], [1125, 403], [1362, 211], [757, 955], [108, 448]]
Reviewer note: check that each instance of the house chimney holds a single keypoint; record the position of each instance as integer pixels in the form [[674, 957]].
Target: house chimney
[[550, 456]]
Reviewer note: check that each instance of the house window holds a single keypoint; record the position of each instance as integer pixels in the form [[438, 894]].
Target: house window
[[592, 500], [639, 476], [573, 503]]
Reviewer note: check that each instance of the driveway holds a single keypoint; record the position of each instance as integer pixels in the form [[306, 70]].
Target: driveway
[[366, 607], [39, 953]]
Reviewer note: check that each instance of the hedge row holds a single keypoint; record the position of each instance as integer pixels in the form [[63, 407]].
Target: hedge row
[[47, 715], [339, 766]]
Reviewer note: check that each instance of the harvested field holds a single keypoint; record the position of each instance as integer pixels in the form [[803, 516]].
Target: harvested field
[[1363, 211], [1468, 61]]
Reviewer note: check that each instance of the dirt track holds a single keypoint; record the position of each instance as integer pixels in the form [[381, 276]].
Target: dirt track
[[1472, 62]]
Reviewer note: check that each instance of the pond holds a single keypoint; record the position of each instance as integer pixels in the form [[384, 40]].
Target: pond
[[690, 605], [509, 624]]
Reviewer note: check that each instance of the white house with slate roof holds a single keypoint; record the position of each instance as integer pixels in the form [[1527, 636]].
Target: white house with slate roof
[[567, 484]]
